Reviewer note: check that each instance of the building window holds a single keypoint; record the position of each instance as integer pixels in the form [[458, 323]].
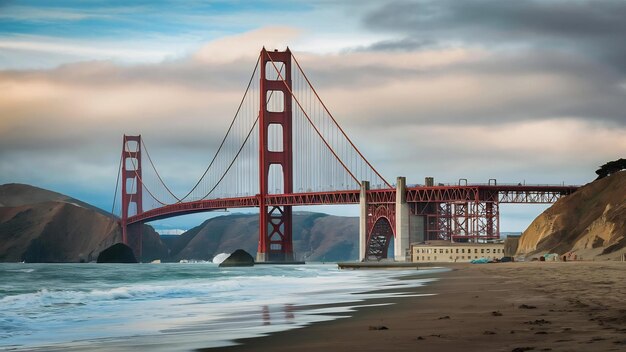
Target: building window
[[457, 250], [489, 250], [475, 250], [462, 257], [462, 250], [447, 252], [482, 250]]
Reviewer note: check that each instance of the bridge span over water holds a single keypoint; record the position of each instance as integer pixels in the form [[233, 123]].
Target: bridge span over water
[[283, 149]]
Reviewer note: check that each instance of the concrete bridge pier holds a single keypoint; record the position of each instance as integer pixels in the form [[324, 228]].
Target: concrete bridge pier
[[401, 241], [365, 186]]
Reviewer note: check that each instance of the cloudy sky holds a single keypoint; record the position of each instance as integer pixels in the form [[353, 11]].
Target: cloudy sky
[[530, 91]]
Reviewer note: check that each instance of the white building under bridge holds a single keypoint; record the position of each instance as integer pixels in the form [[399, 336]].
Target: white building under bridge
[[451, 252]]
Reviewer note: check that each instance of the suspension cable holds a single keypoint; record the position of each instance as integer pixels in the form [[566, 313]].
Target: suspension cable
[[234, 159], [240, 148], [312, 124], [335, 121], [157, 173], [140, 180], [227, 133], [117, 183]]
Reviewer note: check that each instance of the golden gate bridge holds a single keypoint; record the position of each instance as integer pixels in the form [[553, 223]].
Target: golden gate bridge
[[284, 148]]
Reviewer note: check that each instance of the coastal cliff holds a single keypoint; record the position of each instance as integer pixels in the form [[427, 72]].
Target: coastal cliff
[[591, 222], [37, 225]]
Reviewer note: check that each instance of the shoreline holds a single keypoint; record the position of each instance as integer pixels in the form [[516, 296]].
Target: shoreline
[[573, 306]]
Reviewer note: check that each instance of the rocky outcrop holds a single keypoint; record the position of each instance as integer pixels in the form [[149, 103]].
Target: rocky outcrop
[[590, 222], [238, 258], [117, 253]]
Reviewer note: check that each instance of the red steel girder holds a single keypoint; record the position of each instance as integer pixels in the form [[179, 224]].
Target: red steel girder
[[314, 198], [194, 207], [441, 194], [437, 194]]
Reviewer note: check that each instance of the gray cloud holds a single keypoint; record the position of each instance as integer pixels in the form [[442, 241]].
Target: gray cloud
[[587, 28], [579, 43], [186, 73], [403, 44]]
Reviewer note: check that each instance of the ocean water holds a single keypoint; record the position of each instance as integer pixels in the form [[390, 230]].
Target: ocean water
[[177, 307]]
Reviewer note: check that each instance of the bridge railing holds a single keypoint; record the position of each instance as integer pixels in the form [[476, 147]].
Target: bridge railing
[[440, 184]]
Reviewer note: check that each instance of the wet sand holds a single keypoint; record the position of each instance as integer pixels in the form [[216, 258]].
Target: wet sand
[[537, 306]]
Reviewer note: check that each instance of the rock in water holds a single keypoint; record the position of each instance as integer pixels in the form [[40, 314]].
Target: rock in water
[[238, 258], [118, 253]]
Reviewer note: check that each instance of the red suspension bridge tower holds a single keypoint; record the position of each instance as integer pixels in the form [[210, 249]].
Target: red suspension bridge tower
[[132, 192], [275, 222]]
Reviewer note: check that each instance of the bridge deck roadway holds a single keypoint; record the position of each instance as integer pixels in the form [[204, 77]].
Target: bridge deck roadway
[[417, 194]]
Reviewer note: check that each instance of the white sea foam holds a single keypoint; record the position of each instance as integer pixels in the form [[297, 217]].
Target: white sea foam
[[218, 259], [150, 300], [21, 270]]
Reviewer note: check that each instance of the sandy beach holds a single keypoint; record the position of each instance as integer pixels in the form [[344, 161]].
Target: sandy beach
[[535, 306]]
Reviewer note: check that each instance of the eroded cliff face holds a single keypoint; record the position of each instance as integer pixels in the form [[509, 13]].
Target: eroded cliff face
[[591, 222], [54, 231], [37, 225]]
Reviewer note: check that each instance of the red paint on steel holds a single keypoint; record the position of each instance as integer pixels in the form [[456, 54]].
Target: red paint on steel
[[275, 221], [415, 195], [316, 129], [131, 235]]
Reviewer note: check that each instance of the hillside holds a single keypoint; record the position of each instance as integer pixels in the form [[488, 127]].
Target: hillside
[[316, 237], [590, 222], [37, 225]]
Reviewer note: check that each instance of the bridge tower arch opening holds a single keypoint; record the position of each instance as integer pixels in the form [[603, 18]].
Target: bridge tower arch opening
[[379, 239]]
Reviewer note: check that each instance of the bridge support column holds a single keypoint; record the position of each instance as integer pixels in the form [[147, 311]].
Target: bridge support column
[[132, 192], [365, 186], [275, 222], [401, 241]]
